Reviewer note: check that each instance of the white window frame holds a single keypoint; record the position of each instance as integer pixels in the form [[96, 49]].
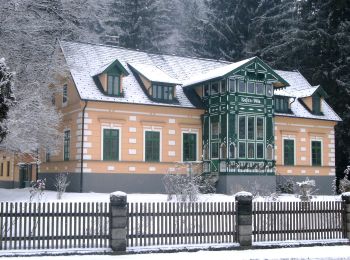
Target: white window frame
[[120, 139]]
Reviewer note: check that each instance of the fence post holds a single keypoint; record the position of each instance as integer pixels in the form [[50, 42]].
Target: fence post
[[346, 199], [244, 218], [118, 221]]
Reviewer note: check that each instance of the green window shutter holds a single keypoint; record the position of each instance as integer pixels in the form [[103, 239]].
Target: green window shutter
[[189, 147], [152, 146], [316, 153], [111, 144], [288, 152]]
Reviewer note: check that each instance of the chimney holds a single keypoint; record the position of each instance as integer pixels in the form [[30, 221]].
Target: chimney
[[110, 40]]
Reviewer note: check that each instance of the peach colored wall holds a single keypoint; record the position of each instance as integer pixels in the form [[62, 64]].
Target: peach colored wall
[[132, 120], [303, 131]]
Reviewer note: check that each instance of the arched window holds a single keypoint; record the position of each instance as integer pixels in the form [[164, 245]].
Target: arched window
[[269, 152], [232, 151], [206, 152], [223, 151]]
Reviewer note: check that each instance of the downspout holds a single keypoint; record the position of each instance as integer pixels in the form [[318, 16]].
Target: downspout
[[82, 147]]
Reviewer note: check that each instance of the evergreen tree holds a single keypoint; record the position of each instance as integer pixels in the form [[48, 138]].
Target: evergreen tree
[[226, 28], [140, 24]]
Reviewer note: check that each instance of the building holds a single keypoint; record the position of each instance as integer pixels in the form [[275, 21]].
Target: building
[[129, 117]]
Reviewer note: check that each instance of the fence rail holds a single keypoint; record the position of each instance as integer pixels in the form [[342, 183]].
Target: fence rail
[[280, 221], [54, 225], [181, 223]]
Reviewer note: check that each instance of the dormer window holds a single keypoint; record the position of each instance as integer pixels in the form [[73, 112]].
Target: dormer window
[[282, 104], [113, 85], [316, 104], [163, 92]]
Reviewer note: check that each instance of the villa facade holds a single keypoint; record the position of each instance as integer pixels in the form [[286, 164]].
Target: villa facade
[[129, 117]]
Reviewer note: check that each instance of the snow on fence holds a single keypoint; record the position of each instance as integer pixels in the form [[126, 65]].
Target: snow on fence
[[172, 223], [281, 221], [54, 225]]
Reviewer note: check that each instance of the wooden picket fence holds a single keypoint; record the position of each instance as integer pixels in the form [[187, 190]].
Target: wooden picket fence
[[169, 223], [54, 225], [281, 221]]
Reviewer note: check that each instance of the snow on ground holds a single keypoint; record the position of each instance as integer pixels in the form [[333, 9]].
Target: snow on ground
[[22, 195], [317, 252]]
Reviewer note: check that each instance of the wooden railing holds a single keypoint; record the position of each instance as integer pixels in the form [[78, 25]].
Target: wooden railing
[[281, 221], [54, 225], [181, 223]]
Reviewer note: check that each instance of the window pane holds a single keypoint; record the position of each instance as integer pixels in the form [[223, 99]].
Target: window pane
[[111, 144], [214, 130], [206, 90], [241, 86], [66, 148], [223, 86], [232, 85], [259, 88], [242, 126], [251, 150], [241, 148], [251, 87], [316, 104], [116, 85], [316, 153], [259, 151], [171, 91], [288, 152], [214, 150], [152, 146], [269, 90], [166, 93], [215, 88], [110, 85], [65, 93], [154, 91], [159, 92], [251, 128], [260, 128], [189, 147], [232, 151]]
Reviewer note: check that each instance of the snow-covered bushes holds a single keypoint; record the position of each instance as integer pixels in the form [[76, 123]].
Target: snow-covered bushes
[[37, 189], [61, 183]]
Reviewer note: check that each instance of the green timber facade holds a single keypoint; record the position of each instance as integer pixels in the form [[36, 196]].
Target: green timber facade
[[238, 124]]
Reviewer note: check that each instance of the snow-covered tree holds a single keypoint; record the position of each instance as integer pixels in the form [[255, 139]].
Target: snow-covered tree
[[140, 24], [6, 96]]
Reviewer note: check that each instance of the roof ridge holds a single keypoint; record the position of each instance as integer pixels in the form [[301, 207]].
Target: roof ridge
[[154, 53]]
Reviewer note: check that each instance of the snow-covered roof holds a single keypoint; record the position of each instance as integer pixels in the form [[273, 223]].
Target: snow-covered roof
[[215, 73], [154, 74], [85, 60], [300, 88]]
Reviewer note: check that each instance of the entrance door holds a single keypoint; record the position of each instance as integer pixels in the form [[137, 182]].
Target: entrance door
[[25, 175]]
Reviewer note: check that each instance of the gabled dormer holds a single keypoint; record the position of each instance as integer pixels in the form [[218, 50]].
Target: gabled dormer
[[312, 99], [109, 78], [158, 85]]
